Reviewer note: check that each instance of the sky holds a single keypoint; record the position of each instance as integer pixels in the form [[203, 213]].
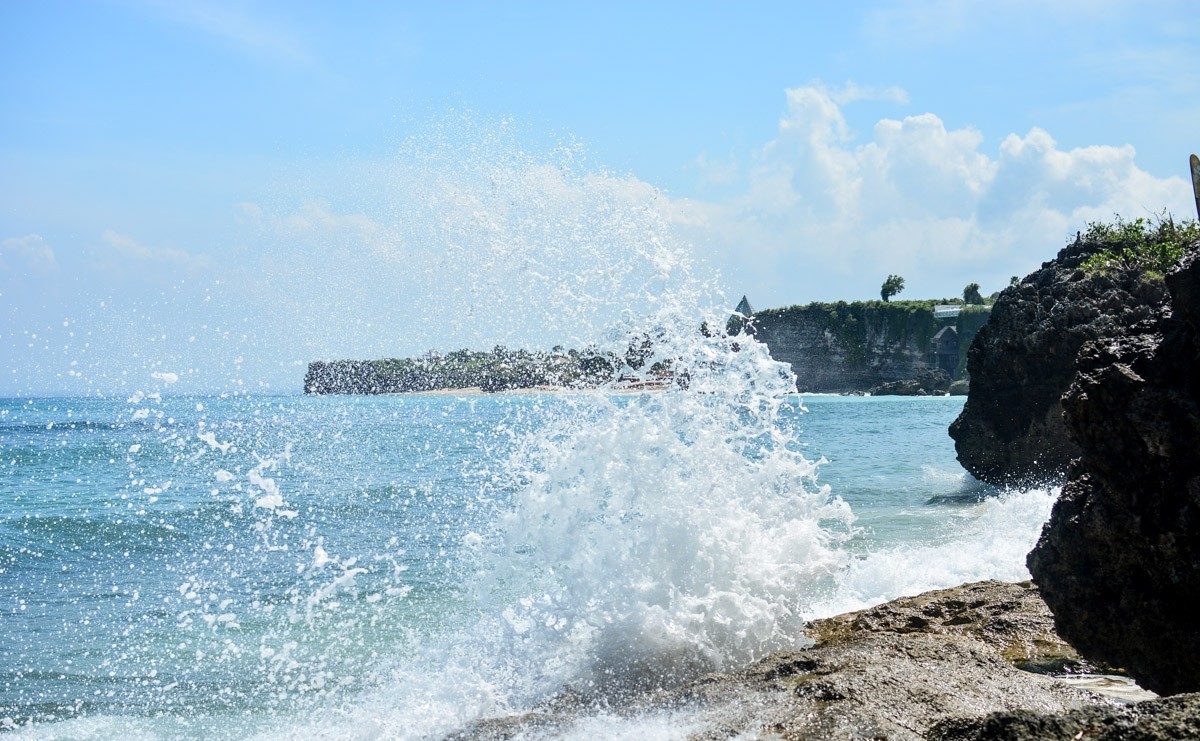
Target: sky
[[221, 191]]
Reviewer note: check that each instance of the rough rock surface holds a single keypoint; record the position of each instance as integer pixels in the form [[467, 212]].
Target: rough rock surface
[[927, 383], [1011, 428], [893, 671], [1168, 719], [1119, 560]]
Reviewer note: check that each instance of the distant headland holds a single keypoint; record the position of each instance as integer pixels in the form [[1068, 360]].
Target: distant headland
[[883, 347]]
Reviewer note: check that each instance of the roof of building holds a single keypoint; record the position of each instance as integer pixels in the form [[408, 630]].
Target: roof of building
[[945, 311], [944, 334]]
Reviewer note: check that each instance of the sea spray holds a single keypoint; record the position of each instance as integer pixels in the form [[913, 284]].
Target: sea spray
[[646, 537], [671, 533]]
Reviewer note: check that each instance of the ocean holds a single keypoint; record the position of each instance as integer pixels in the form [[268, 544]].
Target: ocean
[[234, 566]]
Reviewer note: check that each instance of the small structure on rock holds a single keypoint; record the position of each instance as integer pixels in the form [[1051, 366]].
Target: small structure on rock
[[744, 307], [741, 317], [944, 349]]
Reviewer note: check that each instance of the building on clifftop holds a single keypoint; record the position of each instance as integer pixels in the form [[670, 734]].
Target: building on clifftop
[[944, 348]]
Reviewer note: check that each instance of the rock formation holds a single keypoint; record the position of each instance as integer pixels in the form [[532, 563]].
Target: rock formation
[[927, 383], [1119, 560], [500, 369], [1011, 428], [894, 671]]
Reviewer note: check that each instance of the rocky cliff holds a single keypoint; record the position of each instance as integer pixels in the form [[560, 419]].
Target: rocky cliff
[[1119, 560], [848, 347], [1011, 429]]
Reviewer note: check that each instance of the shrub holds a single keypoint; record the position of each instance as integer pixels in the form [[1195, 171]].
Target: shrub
[[1148, 246]]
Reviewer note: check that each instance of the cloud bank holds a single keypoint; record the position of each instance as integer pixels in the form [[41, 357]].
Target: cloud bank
[[934, 203], [468, 240]]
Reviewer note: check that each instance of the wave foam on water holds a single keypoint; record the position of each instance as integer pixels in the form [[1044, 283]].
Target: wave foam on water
[[990, 542]]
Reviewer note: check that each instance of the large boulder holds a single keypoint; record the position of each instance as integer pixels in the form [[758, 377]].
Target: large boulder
[[1119, 561], [1011, 429]]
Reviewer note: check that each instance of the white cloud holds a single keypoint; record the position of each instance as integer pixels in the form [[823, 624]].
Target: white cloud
[[127, 247], [318, 218], [915, 196], [29, 252]]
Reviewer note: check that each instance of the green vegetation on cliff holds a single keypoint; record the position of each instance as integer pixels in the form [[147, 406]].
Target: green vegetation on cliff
[[1148, 246]]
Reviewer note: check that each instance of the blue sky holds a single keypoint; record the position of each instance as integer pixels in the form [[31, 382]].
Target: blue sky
[[150, 152]]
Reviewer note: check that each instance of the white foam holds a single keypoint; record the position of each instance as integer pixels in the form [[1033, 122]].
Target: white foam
[[989, 543]]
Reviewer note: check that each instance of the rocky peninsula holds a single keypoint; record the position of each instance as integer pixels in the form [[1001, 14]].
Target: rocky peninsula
[[878, 347]]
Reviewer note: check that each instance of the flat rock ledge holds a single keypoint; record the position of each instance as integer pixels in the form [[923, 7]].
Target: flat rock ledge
[[971, 662]]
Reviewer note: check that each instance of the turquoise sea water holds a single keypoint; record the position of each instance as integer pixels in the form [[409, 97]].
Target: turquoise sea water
[[186, 566]]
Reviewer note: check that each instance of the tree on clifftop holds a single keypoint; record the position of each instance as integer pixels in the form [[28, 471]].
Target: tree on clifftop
[[972, 295], [893, 285]]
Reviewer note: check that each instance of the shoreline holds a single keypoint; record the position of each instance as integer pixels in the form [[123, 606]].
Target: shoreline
[[939, 664]]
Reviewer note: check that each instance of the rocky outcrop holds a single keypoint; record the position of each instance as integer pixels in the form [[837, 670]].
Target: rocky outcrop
[[1011, 429], [928, 383], [1119, 560], [894, 671]]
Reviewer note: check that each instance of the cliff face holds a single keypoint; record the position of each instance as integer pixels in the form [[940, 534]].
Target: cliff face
[[857, 346], [1119, 561], [1011, 429]]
